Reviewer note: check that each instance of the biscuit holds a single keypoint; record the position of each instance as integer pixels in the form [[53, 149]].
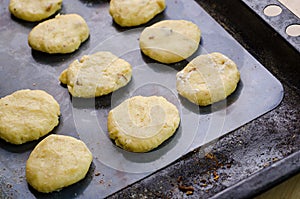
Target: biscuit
[[208, 79], [135, 12], [62, 34], [34, 10], [140, 124], [56, 162], [170, 41], [27, 115], [96, 75]]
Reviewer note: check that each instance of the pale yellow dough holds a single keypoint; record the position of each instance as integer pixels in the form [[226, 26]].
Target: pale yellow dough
[[208, 79], [63, 34], [56, 162], [27, 115], [170, 41], [96, 75], [135, 12], [34, 10], [141, 124]]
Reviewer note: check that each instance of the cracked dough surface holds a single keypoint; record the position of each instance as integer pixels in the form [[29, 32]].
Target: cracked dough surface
[[208, 79], [135, 12], [56, 162], [141, 124], [27, 115], [170, 41], [62, 34], [34, 10], [96, 75]]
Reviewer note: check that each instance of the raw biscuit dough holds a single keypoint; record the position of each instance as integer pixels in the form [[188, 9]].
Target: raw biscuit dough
[[135, 12], [208, 79], [170, 41], [141, 124], [96, 75], [63, 34], [27, 115], [56, 162], [34, 10]]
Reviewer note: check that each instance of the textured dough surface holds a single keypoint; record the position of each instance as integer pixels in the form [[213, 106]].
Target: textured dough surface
[[96, 75], [135, 12], [170, 41], [27, 115], [34, 10], [208, 79], [62, 34], [141, 124], [56, 162]]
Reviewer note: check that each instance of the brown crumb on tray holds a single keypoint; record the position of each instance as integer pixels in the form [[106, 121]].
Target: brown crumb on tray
[[187, 189], [189, 192], [179, 179]]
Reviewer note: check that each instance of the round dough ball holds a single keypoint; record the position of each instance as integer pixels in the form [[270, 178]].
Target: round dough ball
[[96, 75], [63, 34], [208, 79], [27, 115], [170, 41], [56, 162], [34, 10], [135, 12], [140, 124]]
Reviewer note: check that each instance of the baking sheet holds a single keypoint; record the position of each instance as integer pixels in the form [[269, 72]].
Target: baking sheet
[[281, 22], [112, 168]]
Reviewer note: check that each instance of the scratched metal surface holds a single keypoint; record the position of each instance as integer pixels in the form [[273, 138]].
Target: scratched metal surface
[[112, 168], [278, 23]]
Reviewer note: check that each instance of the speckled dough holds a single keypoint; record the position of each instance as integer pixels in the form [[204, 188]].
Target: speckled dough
[[56, 162], [27, 115], [96, 75], [34, 10], [135, 12], [141, 124], [170, 41], [63, 34], [208, 79]]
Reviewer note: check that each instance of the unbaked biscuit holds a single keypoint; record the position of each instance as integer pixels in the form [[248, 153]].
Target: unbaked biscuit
[[135, 12], [96, 75], [141, 124], [170, 41], [34, 10], [208, 79], [27, 115], [63, 34], [56, 162]]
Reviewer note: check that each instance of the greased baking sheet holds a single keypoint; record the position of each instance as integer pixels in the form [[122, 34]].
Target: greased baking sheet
[[113, 168]]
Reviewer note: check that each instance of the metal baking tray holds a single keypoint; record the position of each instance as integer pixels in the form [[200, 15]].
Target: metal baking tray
[[113, 168], [279, 23]]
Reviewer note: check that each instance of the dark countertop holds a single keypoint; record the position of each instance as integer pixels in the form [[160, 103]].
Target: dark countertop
[[258, 155]]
